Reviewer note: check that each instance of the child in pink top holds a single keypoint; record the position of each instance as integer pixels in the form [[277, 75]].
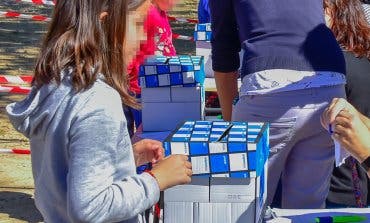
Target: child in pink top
[[158, 42]]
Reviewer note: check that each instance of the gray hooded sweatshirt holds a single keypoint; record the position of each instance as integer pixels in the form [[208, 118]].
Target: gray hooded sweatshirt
[[82, 159]]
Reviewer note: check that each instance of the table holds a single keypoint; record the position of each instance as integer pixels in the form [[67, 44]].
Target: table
[[309, 215]]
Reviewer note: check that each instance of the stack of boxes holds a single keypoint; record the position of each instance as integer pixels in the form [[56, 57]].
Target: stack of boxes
[[229, 161], [172, 91], [202, 36]]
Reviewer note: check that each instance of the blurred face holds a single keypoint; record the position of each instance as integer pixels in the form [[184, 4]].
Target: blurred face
[[165, 5], [135, 30]]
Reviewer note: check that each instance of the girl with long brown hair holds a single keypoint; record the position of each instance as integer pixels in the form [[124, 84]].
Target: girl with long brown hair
[[346, 18], [83, 162]]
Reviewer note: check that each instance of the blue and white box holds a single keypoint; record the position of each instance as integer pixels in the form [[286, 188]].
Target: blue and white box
[[161, 71], [172, 91], [233, 157], [203, 32], [221, 149], [202, 37]]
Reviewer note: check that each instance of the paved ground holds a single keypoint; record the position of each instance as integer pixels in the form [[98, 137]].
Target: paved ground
[[19, 44]]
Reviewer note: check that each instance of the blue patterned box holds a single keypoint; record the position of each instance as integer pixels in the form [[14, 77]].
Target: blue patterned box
[[203, 32], [232, 159], [161, 71], [222, 149]]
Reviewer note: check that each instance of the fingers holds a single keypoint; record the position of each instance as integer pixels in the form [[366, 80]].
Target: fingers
[[342, 139], [330, 113], [342, 122], [340, 130], [150, 143], [325, 117], [338, 104], [337, 137], [188, 164], [345, 114], [187, 179], [184, 157], [189, 172], [180, 157]]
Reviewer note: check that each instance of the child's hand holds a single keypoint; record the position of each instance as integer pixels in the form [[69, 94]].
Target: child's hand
[[147, 150], [331, 112], [173, 170], [352, 134]]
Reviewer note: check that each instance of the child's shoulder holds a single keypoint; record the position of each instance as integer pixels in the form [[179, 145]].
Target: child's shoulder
[[155, 12], [100, 96]]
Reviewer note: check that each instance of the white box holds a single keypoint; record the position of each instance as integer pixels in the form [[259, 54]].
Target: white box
[[232, 190], [236, 165], [261, 201], [205, 49], [160, 94], [178, 212], [166, 116], [187, 94], [223, 212], [196, 191], [172, 94]]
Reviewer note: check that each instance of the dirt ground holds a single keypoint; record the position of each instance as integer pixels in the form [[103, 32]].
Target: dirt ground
[[19, 45]]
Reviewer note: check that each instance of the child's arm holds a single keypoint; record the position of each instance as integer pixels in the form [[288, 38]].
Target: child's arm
[[102, 184], [225, 53]]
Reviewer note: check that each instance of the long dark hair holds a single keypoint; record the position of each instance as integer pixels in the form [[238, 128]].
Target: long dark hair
[[349, 26], [80, 39]]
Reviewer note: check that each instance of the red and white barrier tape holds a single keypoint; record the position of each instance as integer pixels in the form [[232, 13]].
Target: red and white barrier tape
[[178, 36], [11, 14], [8, 79], [38, 2], [48, 2], [14, 89], [183, 20], [16, 151]]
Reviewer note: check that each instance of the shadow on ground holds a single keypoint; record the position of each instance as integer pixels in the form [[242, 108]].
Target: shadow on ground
[[20, 206]]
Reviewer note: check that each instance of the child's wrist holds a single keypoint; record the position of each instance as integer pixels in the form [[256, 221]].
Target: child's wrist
[[152, 174]]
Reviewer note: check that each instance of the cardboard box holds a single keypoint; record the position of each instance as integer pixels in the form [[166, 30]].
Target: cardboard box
[[178, 212], [222, 149], [233, 155], [196, 191], [232, 190], [163, 108], [204, 49], [160, 71], [165, 116], [203, 32], [172, 91], [223, 212], [198, 212]]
